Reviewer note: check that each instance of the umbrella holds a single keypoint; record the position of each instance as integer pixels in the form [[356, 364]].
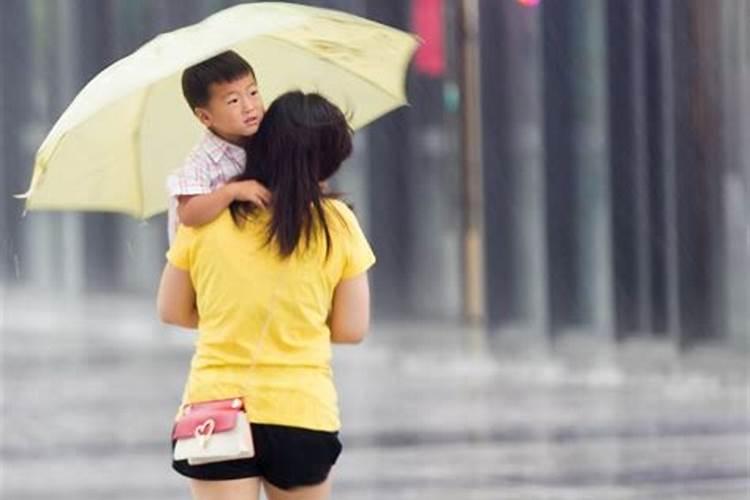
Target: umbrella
[[129, 127]]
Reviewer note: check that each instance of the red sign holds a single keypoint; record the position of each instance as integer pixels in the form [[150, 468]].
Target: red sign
[[427, 22]]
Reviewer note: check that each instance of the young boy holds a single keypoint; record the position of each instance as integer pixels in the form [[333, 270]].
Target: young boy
[[223, 94]]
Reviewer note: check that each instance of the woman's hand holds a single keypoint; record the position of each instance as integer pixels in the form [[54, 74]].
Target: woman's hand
[[176, 298]]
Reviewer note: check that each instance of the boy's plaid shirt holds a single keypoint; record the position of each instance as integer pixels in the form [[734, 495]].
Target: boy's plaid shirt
[[210, 165]]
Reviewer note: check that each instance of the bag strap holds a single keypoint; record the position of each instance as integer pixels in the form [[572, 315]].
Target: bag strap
[[263, 333]]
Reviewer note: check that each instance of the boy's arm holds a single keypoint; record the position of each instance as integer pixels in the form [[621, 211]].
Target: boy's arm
[[197, 210]]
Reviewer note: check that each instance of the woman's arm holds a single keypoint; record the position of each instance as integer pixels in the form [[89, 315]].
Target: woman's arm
[[350, 314], [176, 298]]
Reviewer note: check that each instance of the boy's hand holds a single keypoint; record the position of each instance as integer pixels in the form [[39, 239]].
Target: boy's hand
[[252, 191]]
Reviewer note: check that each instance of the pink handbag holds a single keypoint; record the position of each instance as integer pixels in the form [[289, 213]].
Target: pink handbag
[[213, 431]]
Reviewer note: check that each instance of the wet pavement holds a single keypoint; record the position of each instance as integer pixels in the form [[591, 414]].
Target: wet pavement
[[89, 389]]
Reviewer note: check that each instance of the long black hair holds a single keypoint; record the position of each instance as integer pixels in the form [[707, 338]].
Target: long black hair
[[301, 142]]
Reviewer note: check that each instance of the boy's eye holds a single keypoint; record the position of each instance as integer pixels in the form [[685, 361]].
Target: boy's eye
[[233, 101]]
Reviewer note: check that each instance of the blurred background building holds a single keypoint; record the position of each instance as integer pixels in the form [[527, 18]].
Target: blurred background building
[[577, 167]]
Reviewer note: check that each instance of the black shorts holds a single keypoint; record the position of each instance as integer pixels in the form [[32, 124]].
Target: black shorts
[[286, 457]]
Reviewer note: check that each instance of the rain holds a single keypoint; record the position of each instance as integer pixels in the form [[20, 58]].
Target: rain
[[561, 301]]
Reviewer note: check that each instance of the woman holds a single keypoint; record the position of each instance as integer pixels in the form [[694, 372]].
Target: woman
[[269, 290]]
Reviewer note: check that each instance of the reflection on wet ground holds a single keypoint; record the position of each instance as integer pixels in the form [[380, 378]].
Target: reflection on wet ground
[[89, 390]]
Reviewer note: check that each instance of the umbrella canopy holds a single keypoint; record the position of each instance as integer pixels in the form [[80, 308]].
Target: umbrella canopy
[[129, 127]]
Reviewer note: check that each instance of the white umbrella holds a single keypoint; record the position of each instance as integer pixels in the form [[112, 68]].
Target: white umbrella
[[113, 147]]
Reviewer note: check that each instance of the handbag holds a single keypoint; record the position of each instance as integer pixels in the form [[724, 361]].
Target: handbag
[[213, 431]]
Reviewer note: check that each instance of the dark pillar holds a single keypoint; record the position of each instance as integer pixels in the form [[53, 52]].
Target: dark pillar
[[698, 126], [560, 169], [389, 190], [499, 180], [629, 141], [15, 162]]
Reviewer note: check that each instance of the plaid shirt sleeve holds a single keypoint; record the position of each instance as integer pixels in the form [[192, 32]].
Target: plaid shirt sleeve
[[192, 178]]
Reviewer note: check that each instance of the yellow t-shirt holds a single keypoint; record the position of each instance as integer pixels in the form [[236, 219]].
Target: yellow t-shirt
[[262, 333]]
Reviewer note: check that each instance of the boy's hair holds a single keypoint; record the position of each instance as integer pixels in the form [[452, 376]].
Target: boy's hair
[[225, 67]]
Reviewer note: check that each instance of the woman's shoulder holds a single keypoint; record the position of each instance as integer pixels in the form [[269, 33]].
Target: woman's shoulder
[[341, 211], [338, 205], [222, 222]]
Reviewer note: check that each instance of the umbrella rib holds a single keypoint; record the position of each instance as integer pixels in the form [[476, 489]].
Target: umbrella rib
[[137, 148], [357, 75]]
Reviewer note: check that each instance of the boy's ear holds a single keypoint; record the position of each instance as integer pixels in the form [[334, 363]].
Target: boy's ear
[[203, 115]]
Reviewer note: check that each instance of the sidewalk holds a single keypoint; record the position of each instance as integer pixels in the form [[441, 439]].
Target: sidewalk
[[89, 389]]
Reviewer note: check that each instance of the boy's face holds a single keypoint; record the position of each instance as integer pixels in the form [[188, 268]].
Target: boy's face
[[234, 109]]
